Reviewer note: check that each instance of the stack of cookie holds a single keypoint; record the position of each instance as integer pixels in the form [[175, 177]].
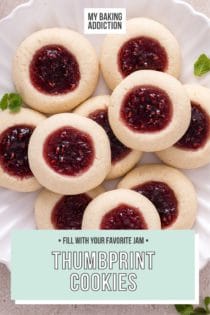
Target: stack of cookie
[[70, 154]]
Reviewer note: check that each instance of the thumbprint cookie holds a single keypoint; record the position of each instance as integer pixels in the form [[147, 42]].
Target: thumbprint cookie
[[169, 190], [120, 209], [123, 158], [69, 154], [147, 45], [62, 212], [15, 132], [192, 150], [55, 69], [149, 111]]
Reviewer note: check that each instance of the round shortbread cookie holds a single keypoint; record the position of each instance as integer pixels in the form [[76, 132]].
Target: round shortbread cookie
[[51, 71], [171, 192], [123, 158], [59, 212], [149, 111], [193, 149], [120, 209], [15, 132], [69, 154], [147, 44]]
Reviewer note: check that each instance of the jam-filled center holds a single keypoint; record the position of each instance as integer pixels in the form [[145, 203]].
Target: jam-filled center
[[54, 70], [14, 150], [118, 150], [198, 131], [142, 53], [68, 212], [123, 217], [69, 151], [146, 109], [164, 199]]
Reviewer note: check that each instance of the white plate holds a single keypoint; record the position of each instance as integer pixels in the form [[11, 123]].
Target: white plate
[[192, 30]]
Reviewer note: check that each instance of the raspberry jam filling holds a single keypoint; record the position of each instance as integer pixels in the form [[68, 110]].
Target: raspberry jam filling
[[68, 212], [142, 53], [69, 151], [54, 70], [123, 217], [146, 109], [118, 150], [163, 198], [198, 131], [14, 150]]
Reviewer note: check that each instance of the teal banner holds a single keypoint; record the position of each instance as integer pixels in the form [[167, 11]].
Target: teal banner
[[104, 266]]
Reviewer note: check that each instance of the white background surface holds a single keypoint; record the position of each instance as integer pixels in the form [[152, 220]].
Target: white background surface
[[7, 307]]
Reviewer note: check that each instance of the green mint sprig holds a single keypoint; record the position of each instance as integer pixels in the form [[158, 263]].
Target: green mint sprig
[[11, 101], [202, 65], [189, 310]]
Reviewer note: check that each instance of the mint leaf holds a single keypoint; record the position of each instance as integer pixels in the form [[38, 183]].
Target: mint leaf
[[202, 65], [199, 311], [207, 303], [14, 108], [184, 309], [13, 101], [188, 309], [4, 101]]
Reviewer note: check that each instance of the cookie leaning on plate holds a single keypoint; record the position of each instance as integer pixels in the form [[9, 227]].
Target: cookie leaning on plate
[[15, 132], [51, 71], [54, 211], [123, 158], [193, 149], [149, 110], [147, 44], [120, 209], [169, 190], [69, 154]]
